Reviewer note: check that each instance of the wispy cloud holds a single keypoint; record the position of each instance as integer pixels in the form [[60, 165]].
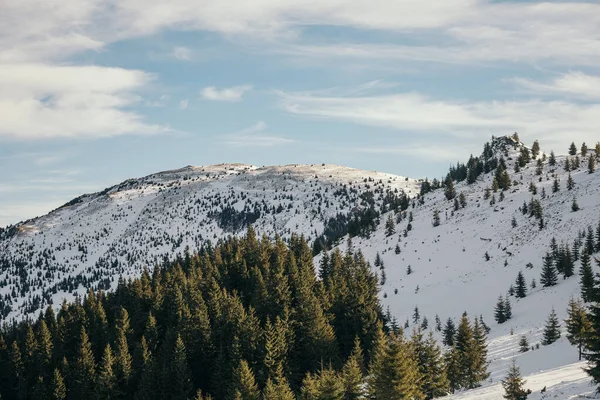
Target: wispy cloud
[[182, 53], [575, 84], [183, 104], [252, 137], [415, 112], [232, 94]]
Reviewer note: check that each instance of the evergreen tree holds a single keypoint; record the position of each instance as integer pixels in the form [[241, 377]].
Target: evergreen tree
[[179, 374], [520, 286], [478, 369], [584, 149], [352, 374], [436, 218], [105, 384], [586, 279], [499, 312], [552, 159], [570, 182], [449, 190], [84, 369], [278, 389], [578, 325], [513, 384], [551, 329], [535, 149], [434, 382], [244, 384], [395, 372], [416, 315], [507, 309], [574, 205], [448, 333], [572, 149], [591, 165], [523, 344], [324, 385], [58, 390], [390, 226], [549, 276]]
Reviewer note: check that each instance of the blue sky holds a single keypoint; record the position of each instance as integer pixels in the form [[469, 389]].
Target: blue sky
[[93, 92]]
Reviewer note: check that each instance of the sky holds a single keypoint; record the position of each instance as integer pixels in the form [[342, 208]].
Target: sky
[[93, 92]]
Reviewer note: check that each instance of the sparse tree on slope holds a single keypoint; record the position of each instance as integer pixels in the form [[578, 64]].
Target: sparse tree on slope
[[578, 325], [513, 384], [551, 329], [520, 286], [549, 276]]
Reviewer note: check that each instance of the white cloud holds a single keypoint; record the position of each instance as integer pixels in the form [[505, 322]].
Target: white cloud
[[414, 112], [183, 104], [248, 137], [231, 94], [44, 101], [182, 53], [576, 84]]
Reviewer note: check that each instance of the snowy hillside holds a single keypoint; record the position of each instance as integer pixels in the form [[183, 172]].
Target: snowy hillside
[[464, 264]]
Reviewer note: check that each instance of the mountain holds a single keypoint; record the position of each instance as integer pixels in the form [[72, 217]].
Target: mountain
[[462, 262]]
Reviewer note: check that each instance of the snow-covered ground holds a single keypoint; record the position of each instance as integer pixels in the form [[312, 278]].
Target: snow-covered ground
[[135, 223]]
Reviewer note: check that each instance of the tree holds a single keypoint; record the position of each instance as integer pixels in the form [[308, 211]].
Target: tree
[[584, 149], [513, 384], [574, 205], [499, 313], [416, 315], [449, 190], [58, 390], [244, 384], [572, 149], [586, 279], [84, 369], [395, 372], [436, 218], [434, 382], [535, 149], [570, 182], [549, 276], [462, 199], [520, 286], [507, 308], [390, 226], [591, 165], [179, 374], [448, 333], [105, 384], [278, 389], [352, 374], [523, 344], [577, 324], [552, 329], [552, 159], [555, 186]]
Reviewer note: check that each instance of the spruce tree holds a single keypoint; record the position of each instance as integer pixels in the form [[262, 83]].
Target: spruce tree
[[58, 390], [507, 308], [105, 384], [572, 149], [523, 344], [570, 182], [478, 370], [390, 226], [277, 389], [244, 385], [578, 325], [586, 280], [513, 384], [324, 385], [352, 374], [551, 329], [179, 374], [84, 371], [552, 159], [520, 286], [499, 312], [591, 165], [434, 382], [395, 372], [448, 333], [549, 276]]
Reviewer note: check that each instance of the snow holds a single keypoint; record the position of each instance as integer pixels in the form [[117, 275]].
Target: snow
[[165, 212]]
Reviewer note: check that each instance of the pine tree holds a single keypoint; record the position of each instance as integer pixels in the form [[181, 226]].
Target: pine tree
[[523, 344], [465, 347], [434, 382], [552, 159], [244, 384], [535, 149], [507, 309], [58, 390], [499, 312], [555, 186], [436, 218], [568, 264], [84, 369], [479, 365], [18, 370], [395, 372], [549, 276], [390, 226], [586, 279], [577, 324], [278, 389], [551, 329], [520, 286], [416, 315], [352, 374], [449, 190], [105, 384], [180, 381], [591, 165], [570, 182], [584, 149], [572, 149], [324, 385], [448, 333], [574, 205], [513, 384]]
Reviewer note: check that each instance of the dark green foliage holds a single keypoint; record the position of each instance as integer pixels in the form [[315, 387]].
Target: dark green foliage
[[243, 311], [523, 344], [578, 325], [513, 384], [448, 333], [572, 149], [586, 280], [520, 286], [434, 382], [549, 276], [499, 312], [552, 159], [551, 329]]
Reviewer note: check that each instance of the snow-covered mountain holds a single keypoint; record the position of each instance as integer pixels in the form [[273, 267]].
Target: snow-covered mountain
[[462, 264]]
